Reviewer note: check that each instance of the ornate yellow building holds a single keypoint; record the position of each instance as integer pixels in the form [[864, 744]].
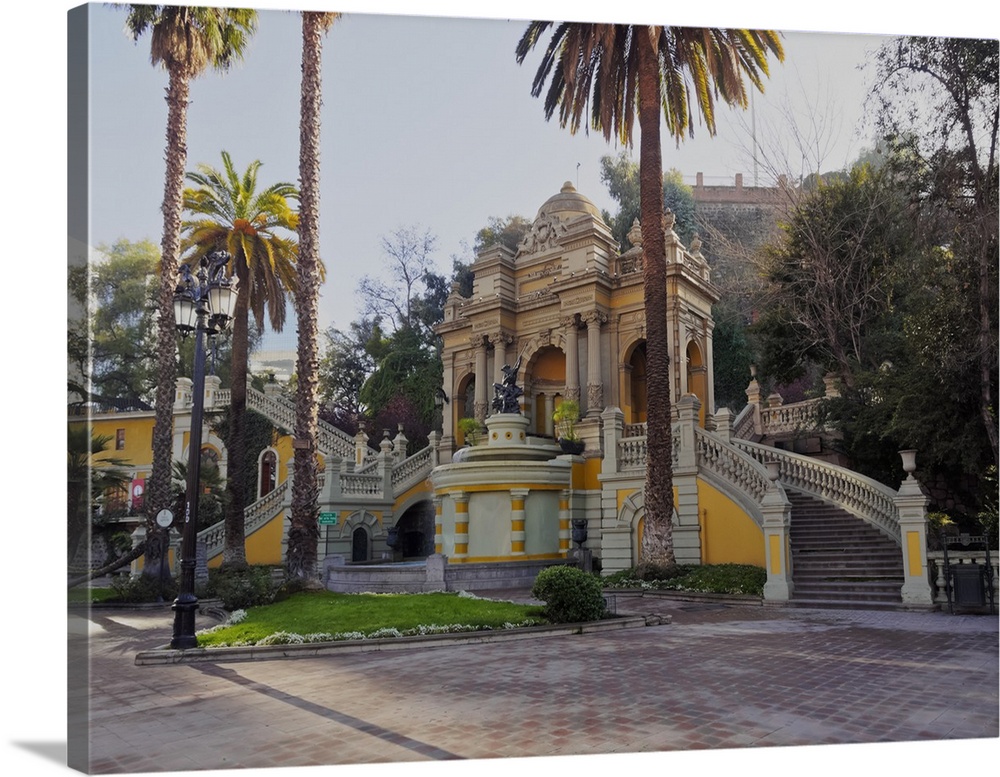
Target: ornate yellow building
[[570, 307]]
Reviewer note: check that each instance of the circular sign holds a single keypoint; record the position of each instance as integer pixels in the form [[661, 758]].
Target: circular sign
[[164, 518]]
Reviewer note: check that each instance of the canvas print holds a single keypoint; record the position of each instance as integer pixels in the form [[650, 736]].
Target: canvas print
[[449, 389]]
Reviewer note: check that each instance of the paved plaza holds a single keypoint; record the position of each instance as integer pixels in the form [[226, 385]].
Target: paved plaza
[[716, 676]]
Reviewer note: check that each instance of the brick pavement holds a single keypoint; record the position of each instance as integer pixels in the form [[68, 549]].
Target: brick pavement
[[724, 676]]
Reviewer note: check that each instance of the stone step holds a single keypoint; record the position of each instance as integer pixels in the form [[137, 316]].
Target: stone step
[[838, 560], [853, 590], [841, 604]]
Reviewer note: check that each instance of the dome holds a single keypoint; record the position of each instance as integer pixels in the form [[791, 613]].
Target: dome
[[568, 203]]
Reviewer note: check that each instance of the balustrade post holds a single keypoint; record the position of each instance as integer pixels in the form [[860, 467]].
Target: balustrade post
[[360, 447], [614, 425], [687, 530], [687, 413], [399, 444], [434, 440], [331, 480], [724, 423], [777, 511], [911, 506], [753, 399]]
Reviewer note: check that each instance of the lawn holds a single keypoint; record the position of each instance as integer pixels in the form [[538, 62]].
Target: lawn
[[324, 616]]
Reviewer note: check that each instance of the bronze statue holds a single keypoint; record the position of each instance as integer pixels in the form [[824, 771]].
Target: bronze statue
[[506, 394]]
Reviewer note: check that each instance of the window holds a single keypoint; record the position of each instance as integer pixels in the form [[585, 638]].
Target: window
[[120, 440]]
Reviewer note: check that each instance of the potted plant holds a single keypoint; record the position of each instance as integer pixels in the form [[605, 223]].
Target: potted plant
[[470, 430], [565, 417]]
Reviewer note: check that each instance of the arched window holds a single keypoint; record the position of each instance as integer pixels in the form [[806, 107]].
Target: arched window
[[267, 473]]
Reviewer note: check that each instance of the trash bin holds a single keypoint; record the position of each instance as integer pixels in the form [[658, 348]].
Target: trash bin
[[967, 584]]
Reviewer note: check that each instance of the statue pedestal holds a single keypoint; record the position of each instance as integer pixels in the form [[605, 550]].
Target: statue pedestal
[[507, 429]]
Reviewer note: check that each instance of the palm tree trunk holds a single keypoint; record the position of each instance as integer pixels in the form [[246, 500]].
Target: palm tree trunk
[[234, 550], [303, 534], [657, 539], [158, 485]]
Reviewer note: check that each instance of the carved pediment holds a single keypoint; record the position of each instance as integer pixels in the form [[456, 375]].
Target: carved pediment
[[546, 233]]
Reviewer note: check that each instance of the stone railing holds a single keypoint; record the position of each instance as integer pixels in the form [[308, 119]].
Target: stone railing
[[633, 448], [281, 412], [364, 486], [632, 453], [731, 464], [743, 424], [789, 419], [412, 470], [634, 430], [255, 516], [866, 498]]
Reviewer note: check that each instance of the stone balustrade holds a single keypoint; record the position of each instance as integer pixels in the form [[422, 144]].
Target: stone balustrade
[[955, 557]]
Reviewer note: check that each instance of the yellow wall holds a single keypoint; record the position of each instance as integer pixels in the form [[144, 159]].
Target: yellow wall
[[138, 450], [728, 534]]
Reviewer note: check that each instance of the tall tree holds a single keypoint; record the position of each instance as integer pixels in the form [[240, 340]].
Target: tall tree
[[612, 69], [231, 214], [185, 41], [303, 535], [944, 93], [121, 289]]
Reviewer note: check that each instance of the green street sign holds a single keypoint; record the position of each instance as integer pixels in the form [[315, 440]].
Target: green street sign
[[327, 519]]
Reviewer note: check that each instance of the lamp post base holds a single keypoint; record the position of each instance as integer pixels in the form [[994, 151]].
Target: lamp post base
[[184, 608]]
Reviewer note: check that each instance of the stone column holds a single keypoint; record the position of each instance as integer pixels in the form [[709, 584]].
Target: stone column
[[595, 388], [565, 530], [517, 497], [911, 505], [572, 359], [438, 523], [482, 380], [500, 342], [549, 410], [461, 525]]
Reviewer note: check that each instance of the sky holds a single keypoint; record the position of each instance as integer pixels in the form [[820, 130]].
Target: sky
[[436, 132], [439, 132]]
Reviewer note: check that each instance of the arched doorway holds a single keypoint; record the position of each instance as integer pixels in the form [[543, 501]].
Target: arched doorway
[[361, 544], [636, 388], [547, 371], [464, 406], [416, 530], [697, 378]]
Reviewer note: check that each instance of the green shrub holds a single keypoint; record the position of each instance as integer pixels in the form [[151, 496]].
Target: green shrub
[[241, 587], [704, 578], [141, 588], [570, 595], [648, 571], [726, 579]]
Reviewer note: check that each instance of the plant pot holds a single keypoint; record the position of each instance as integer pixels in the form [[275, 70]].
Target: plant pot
[[572, 446]]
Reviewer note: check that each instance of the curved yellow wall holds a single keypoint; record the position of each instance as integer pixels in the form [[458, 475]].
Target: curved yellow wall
[[728, 534]]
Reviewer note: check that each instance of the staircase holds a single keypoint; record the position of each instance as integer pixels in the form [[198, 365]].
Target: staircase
[[838, 560]]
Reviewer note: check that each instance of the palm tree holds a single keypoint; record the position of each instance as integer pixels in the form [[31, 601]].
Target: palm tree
[[612, 69], [233, 216], [185, 42], [303, 534], [90, 473]]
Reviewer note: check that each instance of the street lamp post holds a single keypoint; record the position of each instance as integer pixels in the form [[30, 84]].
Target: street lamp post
[[203, 304]]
